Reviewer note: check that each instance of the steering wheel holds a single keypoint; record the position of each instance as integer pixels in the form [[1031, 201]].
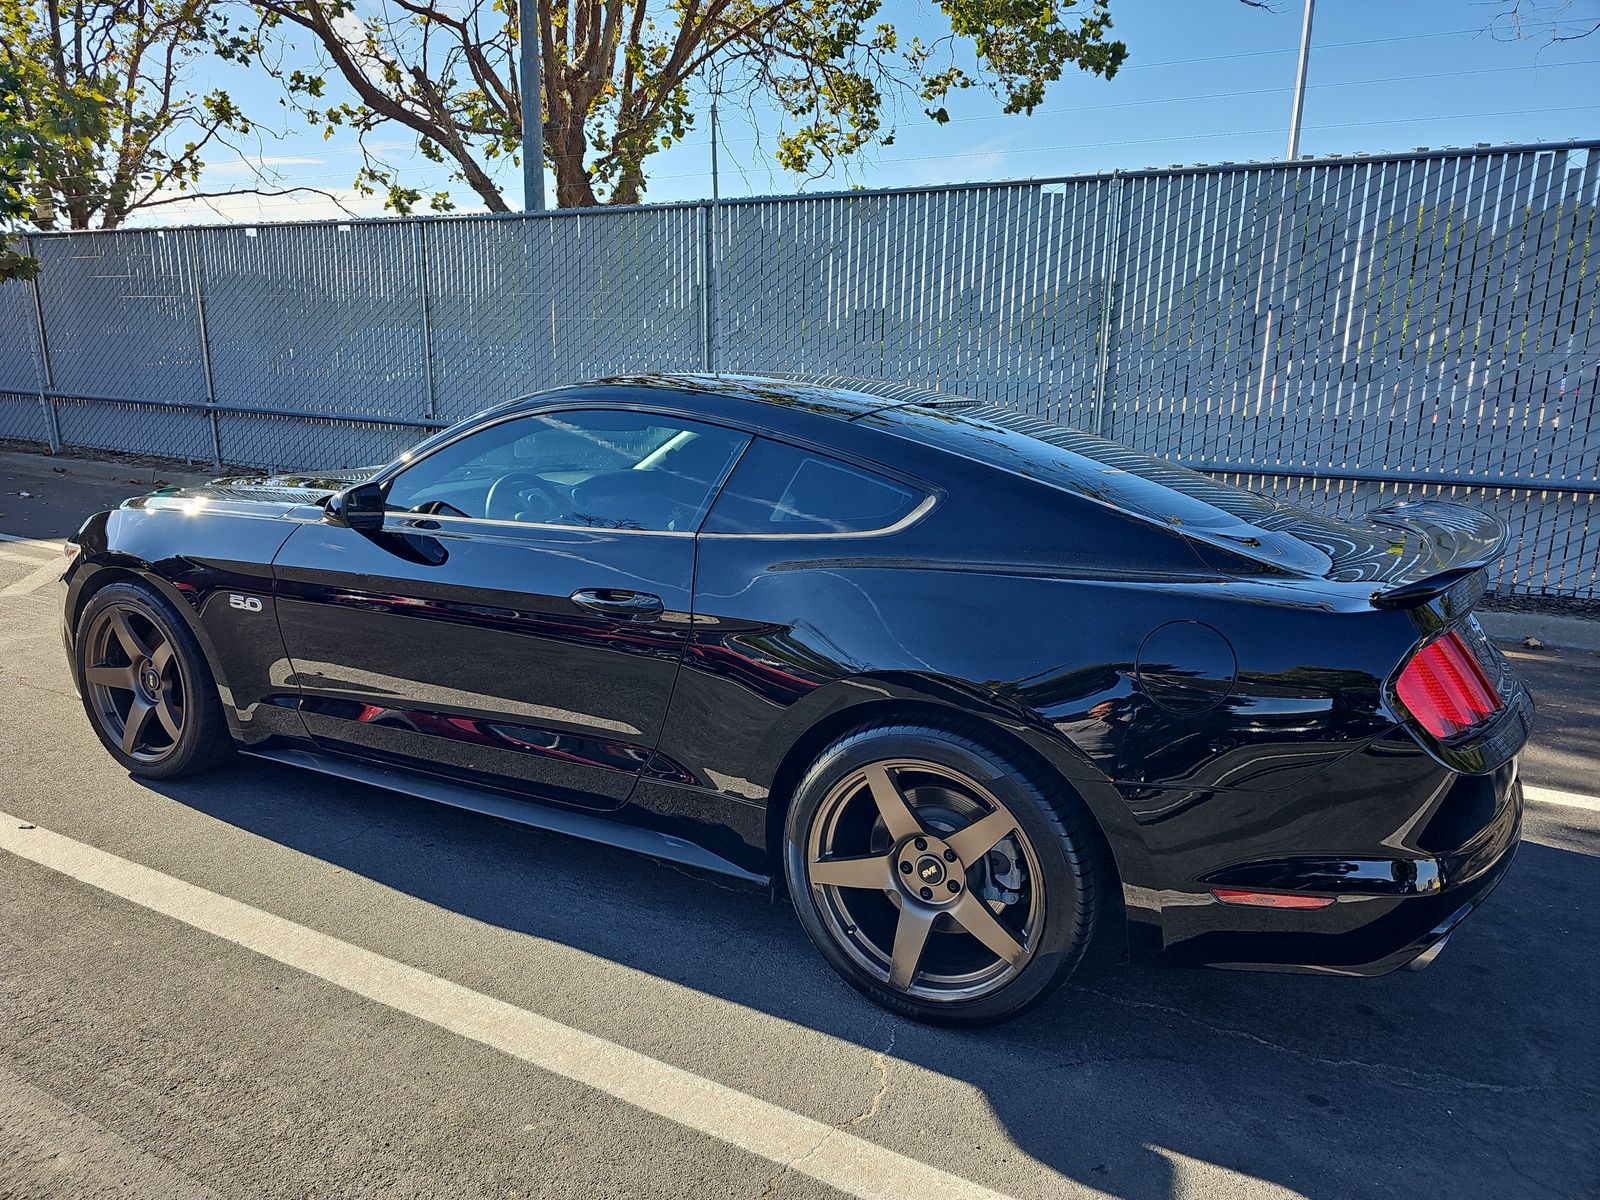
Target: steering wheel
[[508, 497]]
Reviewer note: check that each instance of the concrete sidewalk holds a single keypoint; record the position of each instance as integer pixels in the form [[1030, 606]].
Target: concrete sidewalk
[[16, 463]]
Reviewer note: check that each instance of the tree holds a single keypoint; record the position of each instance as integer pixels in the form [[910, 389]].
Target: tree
[[13, 204], [1536, 20], [102, 113], [618, 74]]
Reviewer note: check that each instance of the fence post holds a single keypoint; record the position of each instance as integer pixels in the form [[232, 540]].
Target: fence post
[[708, 288], [196, 275], [1110, 248], [423, 290], [47, 404]]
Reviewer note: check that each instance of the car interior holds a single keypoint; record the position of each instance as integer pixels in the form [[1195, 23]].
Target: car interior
[[628, 476]]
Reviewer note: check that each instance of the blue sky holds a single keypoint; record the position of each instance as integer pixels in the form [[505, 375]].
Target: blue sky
[[1207, 81]]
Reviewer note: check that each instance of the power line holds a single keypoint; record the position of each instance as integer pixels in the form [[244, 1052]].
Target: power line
[[1100, 107], [1383, 41], [1273, 91], [1193, 137]]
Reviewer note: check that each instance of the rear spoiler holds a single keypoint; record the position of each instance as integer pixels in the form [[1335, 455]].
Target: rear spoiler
[[1450, 545]]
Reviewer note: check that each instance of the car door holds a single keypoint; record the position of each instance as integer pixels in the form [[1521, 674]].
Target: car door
[[795, 587], [520, 618]]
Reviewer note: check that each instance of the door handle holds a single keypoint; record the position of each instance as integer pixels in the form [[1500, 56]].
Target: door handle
[[618, 602]]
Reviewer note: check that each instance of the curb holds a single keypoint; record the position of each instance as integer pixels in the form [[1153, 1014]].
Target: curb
[[1565, 633], [99, 470]]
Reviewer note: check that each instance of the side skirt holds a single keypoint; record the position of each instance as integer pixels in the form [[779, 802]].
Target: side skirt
[[587, 826]]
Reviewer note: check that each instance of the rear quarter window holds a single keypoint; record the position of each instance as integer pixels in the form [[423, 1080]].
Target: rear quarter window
[[780, 489]]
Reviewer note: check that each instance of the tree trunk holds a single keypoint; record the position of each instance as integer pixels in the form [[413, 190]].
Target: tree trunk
[[573, 189]]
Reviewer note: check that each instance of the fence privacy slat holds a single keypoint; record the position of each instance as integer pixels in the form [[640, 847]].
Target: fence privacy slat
[[1336, 333]]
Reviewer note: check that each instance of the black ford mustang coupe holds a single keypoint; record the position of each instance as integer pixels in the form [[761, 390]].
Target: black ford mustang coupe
[[978, 688]]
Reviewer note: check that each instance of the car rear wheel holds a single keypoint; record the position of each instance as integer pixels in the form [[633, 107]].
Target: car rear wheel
[[146, 685], [940, 877]]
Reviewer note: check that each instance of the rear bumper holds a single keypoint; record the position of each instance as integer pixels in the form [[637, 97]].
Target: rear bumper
[[1388, 914]]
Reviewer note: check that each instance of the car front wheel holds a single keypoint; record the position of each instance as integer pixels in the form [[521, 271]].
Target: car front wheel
[[146, 685], [942, 877]]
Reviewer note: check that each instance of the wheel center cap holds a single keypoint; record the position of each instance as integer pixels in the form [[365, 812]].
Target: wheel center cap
[[930, 870], [150, 680]]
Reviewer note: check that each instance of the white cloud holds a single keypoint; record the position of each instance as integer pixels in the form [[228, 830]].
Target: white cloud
[[254, 164]]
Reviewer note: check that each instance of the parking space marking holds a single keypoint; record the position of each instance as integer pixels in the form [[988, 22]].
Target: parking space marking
[[39, 544], [1536, 795], [35, 580], [13, 556], [794, 1142]]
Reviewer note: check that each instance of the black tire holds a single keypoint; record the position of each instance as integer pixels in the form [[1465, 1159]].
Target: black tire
[[136, 661], [1050, 836]]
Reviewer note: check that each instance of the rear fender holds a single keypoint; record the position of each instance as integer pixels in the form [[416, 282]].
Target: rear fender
[[836, 705]]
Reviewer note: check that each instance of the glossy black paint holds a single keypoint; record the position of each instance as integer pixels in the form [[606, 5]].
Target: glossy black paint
[[1221, 701], [463, 647]]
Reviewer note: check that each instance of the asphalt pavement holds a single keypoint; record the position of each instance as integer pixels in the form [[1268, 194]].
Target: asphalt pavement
[[269, 983]]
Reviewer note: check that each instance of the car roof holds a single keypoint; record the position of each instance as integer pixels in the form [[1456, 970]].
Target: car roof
[[837, 396]]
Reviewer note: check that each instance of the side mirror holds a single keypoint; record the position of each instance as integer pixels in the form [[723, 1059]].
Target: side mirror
[[360, 507]]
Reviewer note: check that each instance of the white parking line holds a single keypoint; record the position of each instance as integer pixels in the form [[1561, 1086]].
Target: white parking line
[[1535, 795], [39, 544], [14, 556], [831, 1156], [35, 580]]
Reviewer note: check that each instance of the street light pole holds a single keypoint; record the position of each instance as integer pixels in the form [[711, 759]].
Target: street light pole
[[1300, 83], [532, 106]]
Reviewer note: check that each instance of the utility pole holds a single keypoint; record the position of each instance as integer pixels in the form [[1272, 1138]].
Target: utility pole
[[532, 106], [716, 193], [1300, 83]]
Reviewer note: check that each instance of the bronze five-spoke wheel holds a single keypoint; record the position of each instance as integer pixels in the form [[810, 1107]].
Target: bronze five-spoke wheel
[[134, 683], [145, 683], [937, 875], [946, 901]]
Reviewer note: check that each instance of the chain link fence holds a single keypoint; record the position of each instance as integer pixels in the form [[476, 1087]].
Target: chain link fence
[[1339, 332]]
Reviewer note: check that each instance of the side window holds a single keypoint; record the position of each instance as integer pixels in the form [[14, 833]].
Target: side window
[[598, 468], [779, 489]]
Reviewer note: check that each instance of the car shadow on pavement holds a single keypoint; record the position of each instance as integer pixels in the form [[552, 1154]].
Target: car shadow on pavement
[[1475, 1077]]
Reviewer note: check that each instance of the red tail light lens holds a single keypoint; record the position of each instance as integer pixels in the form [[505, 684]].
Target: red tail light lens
[[1445, 689]]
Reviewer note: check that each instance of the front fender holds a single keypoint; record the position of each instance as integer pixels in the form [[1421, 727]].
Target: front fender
[[200, 564]]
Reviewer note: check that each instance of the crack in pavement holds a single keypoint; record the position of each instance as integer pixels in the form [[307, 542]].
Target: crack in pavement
[[1428, 1081], [783, 1172], [704, 877], [885, 1067], [1505, 1153]]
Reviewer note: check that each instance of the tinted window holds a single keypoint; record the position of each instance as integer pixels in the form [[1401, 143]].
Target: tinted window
[[1114, 474], [605, 469], [1083, 463], [778, 489]]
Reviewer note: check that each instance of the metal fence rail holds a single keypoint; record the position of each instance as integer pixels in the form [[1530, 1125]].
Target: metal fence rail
[[1337, 332]]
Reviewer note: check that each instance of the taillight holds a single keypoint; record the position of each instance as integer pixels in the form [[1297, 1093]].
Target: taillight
[[1445, 689]]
